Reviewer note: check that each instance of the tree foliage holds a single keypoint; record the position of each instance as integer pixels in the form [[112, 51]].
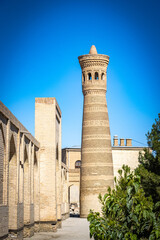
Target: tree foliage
[[126, 212], [149, 168]]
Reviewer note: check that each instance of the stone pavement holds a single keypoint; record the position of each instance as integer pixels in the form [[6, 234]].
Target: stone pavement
[[72, 229]]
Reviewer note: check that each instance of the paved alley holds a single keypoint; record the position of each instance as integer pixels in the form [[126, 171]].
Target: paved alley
[[72, 229]]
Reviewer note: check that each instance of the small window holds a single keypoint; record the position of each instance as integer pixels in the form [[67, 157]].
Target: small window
[[83, 77], [96, 75], [78, 164], [57, 151], [89, 76], [102, 76]]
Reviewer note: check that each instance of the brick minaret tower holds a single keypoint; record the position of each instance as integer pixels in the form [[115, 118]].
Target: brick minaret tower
[[97, 165]]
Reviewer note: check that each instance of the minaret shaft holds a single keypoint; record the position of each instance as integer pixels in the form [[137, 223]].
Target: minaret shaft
[[97, 165]]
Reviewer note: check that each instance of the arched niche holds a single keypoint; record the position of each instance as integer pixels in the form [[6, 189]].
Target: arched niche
[[26, 175], [2, 161], [12, 180]]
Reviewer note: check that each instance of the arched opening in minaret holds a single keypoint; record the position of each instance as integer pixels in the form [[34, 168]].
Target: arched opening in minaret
[[102, 76], [96, 76], [89, 76], [83, 77]]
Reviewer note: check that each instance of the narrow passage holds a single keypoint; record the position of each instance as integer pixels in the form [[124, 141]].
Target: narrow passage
[[72, 229]]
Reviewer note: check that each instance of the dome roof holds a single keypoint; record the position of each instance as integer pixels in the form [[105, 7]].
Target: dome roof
[[93, 50]]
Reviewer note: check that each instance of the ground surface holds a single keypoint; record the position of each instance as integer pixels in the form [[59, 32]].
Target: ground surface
[[72, 228]]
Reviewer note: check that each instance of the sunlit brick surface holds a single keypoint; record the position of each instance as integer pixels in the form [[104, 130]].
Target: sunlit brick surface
[[96, 140]]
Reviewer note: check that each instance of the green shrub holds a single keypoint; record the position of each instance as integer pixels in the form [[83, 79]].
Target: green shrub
[[126, 212]]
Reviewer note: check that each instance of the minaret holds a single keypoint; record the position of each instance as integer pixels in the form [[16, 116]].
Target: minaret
[[97, 165]]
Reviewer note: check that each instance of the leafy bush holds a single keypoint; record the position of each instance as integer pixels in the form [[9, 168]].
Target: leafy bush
[[126, 212], [149, 168]]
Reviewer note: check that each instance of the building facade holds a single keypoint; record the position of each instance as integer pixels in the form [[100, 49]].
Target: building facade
[[123, 153], [19, 166], [48, 133], [72, 158]]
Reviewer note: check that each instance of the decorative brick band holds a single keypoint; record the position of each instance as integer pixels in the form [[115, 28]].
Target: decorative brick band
[[47, 100], [95, 92], [96, 123]]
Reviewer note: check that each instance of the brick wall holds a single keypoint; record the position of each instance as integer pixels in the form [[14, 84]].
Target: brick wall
[[13, 145], [45, 132]]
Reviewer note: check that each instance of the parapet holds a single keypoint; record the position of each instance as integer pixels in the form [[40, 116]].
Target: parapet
[[49, 100], [123, 142]]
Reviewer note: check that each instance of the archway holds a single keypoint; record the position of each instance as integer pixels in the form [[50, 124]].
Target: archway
[[36, 187], [26, 186]]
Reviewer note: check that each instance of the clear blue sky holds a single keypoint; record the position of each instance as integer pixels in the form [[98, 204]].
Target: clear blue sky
[[40, 41]]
